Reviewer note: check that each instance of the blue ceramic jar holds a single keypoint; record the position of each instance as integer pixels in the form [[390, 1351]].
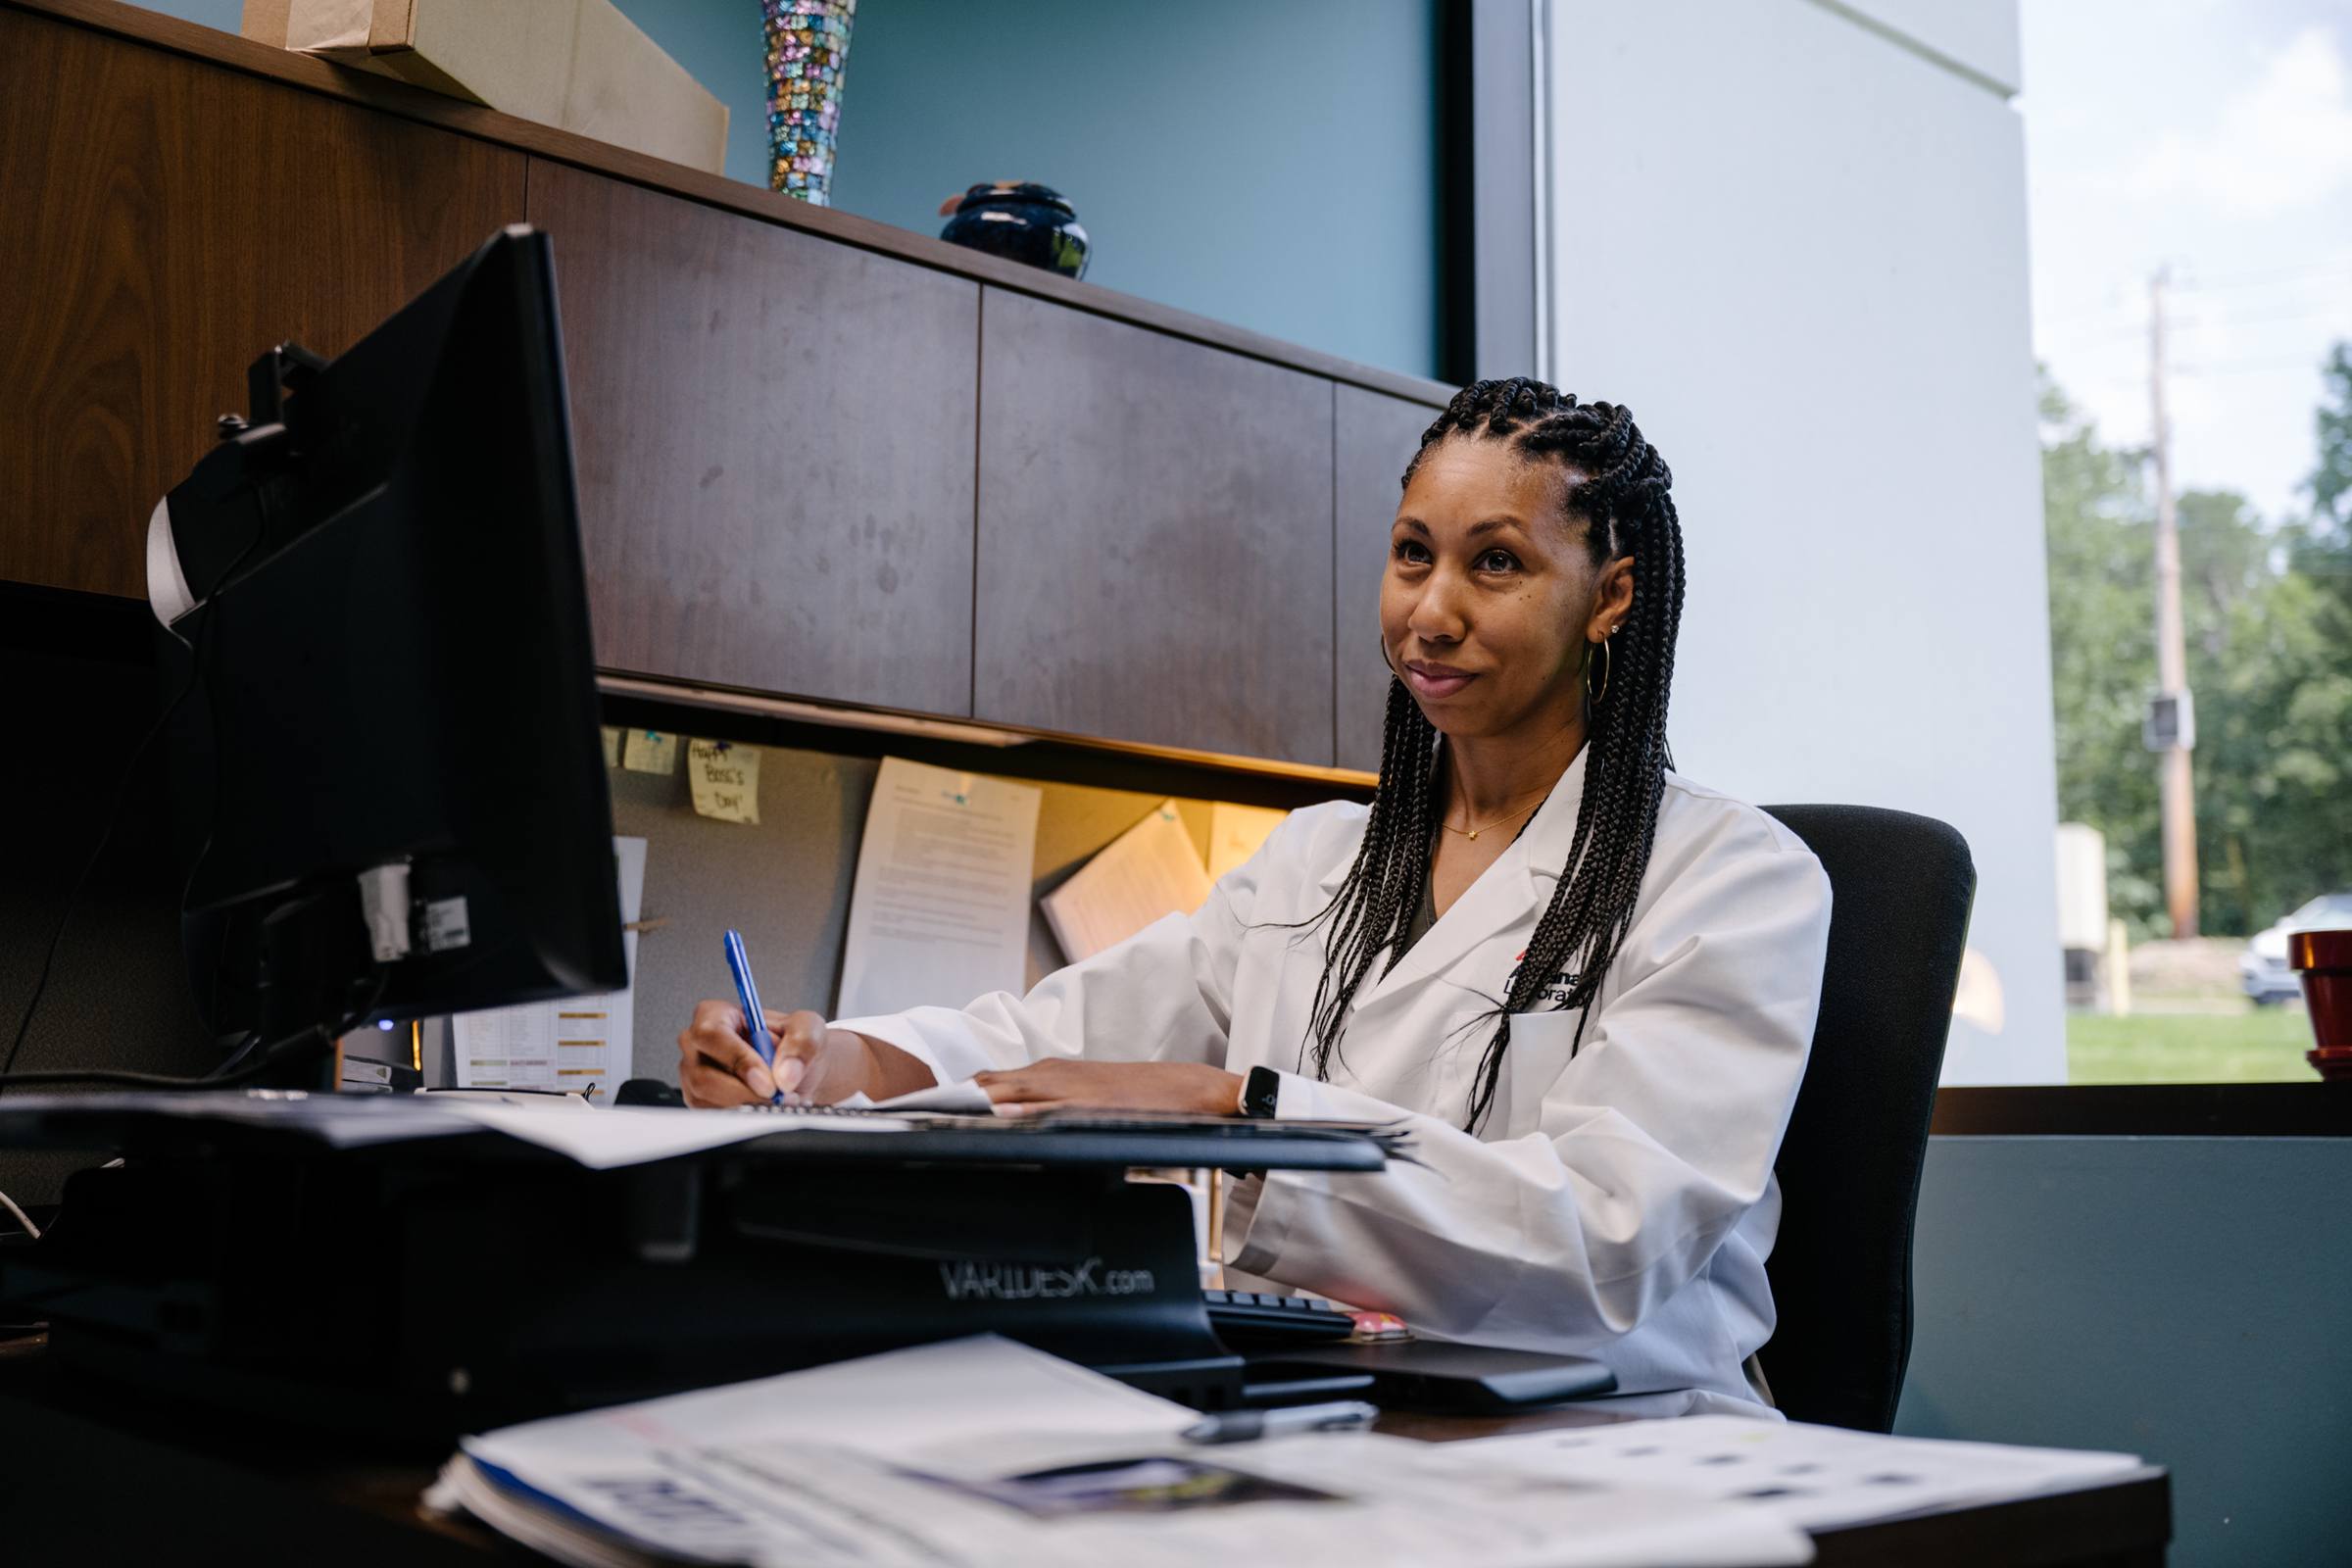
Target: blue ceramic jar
[[1020, 221]]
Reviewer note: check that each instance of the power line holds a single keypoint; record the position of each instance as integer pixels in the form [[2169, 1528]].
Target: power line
[[2337, 321], [2250, 367], [2339, 269], [2335, 308]]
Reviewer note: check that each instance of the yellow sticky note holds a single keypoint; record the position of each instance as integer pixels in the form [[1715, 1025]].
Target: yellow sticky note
[[650, 750], [725, 780], [611, 746]]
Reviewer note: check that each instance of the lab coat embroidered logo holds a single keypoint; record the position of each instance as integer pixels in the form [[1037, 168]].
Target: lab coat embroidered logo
[[1555, 993]]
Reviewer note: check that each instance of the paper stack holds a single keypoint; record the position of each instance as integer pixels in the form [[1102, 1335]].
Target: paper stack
[[983, 1451]]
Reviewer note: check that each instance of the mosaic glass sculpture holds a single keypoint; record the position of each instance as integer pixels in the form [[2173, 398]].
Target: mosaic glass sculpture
[[808, 49]]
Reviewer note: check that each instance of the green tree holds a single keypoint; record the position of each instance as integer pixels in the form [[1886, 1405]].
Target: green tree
[[2322, 546], [2097, 513], [2330, 483], [2269, 661]]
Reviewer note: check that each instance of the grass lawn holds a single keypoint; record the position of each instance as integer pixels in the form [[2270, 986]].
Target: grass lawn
[[2248, 1047]]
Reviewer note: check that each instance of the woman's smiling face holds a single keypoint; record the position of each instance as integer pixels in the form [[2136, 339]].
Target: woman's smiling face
[[1492, 590]]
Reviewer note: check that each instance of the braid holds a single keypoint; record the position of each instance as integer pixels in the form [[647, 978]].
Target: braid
[[1623, 497], [1384, 886]]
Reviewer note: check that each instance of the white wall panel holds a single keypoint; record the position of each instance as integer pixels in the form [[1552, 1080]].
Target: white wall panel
[[1980, 35], [1798, 252]]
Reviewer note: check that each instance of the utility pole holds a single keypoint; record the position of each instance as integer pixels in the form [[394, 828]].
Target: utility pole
[[2171, 730]]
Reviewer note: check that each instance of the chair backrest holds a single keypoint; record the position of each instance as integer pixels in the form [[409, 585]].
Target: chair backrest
[[1901, 890]]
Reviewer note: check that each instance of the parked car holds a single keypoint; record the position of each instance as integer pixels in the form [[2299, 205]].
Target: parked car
[[2262, 968]]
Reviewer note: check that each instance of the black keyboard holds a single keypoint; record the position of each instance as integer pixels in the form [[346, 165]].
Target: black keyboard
[[1249, 1319]]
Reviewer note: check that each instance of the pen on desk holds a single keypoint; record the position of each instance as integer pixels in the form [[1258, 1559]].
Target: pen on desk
[[755, 1019], [1239, 1426]]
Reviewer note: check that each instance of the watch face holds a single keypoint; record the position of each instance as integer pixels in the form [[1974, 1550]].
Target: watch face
[[1263, 1093]]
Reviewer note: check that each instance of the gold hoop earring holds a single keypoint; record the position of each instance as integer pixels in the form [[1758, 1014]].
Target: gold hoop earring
[[1592, 696]]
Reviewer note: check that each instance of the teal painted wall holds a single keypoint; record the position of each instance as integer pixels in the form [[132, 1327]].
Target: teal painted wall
[[1271, 165], [221, 14], [2182, 1299]]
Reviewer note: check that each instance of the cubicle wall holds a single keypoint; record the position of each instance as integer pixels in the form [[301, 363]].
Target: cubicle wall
[[77, 685], [2183, 1298], [785, 883]]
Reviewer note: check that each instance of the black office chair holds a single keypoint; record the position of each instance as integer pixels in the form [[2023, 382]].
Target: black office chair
[[1901, 887]]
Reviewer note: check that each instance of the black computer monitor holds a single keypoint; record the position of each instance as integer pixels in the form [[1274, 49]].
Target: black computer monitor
[[391, 736]]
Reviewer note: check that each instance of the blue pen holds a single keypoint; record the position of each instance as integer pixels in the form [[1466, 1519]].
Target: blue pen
[[755, 1019]]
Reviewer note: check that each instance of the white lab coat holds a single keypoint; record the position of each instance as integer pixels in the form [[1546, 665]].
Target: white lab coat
[[1619, 1205]]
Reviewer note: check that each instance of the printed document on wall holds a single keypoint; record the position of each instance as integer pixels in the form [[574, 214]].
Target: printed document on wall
[[1149, 871], [572, 1045], [939, 913]]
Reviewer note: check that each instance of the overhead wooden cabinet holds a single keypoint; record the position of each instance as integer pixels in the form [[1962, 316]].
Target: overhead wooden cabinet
[[162, 222], [775, 441], [1155, 537], [820, 457], [1376, 435]]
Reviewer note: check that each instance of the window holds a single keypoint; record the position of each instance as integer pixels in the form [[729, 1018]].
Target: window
[[2189, 175]]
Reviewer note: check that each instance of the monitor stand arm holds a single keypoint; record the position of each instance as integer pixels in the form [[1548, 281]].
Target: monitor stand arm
[[316, 975]]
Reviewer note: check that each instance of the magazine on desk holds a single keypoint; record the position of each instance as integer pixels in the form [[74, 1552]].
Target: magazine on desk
[[982, 1452]]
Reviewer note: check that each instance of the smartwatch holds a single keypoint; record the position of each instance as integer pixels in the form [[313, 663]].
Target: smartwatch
[[1262, 1092]]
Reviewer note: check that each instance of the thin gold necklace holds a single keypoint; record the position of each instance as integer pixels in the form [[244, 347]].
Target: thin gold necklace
[[1472, 833]]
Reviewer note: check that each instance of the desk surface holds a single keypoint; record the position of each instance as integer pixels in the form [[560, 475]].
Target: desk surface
[[90, 1474]]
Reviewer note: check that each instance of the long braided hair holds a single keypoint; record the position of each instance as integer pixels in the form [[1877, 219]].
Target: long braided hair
[[1620, 492]]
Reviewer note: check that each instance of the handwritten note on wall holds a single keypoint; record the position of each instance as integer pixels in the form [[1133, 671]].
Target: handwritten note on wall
[[650, 750], [725, 780]]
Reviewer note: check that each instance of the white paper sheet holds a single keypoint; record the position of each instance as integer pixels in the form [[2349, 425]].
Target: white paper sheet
[[574, 1045], [982, 1452], [340, 1121], [621, 1134], [1812, 1477], [965, 1099], [635, 1135], [939, 913], [1149, 871]]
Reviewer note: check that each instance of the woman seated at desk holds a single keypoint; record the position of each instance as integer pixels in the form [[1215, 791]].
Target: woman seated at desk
[[1587, 984]]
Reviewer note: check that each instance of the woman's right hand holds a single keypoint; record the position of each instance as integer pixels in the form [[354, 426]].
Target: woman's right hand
[[816, 1065]]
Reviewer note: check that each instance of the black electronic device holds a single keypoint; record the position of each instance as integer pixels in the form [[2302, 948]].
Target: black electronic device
[[1437, 1376], [392, 803], [434, 1285], [1248, 1320], [387, 776]]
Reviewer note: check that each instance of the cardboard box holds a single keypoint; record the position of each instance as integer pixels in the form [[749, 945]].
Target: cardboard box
[[579, 65]]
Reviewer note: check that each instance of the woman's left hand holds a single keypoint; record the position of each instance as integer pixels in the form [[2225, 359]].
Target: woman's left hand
[[1184, 1086]]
